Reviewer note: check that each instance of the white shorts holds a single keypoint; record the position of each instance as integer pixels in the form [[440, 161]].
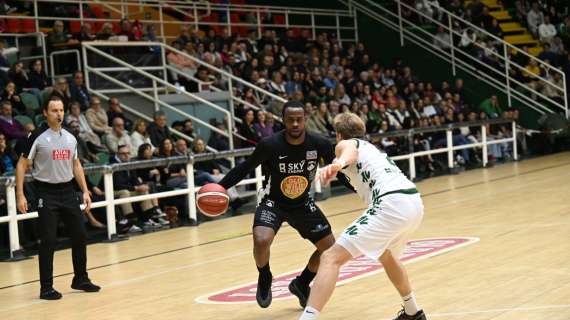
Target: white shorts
[[385, 226]]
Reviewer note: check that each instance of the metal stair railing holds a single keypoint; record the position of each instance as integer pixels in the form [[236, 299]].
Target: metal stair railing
[[501, 80], [229, 76], [191, 9], [91, 46]]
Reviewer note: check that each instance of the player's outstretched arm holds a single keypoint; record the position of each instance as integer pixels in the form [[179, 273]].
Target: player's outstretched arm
[[346, 154], [260, 154]]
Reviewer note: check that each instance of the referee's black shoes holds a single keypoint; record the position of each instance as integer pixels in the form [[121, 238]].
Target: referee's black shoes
[[50, 294], [84, 285]]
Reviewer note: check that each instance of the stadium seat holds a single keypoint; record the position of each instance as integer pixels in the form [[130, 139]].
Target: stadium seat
[[44, 96], [13, 25], [39, 119], [74, 26], [30, 101], [23, 120], [28, 26]]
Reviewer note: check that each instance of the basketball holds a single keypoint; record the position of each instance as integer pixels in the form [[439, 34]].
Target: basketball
[[212, 200]]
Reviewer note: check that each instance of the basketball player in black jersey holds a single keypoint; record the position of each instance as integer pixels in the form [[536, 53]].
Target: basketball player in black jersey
[[289, 161]]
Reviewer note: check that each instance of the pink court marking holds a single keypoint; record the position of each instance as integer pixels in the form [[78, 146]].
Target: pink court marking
[[361, 267]]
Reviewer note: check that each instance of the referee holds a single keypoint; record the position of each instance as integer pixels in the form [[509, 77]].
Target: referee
[[52, 151]]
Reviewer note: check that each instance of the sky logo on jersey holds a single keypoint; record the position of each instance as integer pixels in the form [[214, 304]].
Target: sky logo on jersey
[[61, 154], [355, 269]]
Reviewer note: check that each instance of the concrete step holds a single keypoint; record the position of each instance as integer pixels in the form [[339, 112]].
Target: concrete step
[[512, 27], [521, 39], [501, 15]]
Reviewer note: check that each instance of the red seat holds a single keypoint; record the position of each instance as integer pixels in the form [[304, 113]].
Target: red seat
[[28, 25], [74, 26], [279, 19], [13, 25], [97, 11]]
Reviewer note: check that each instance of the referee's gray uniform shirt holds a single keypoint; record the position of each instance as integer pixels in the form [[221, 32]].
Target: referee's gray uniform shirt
[[52, 154]]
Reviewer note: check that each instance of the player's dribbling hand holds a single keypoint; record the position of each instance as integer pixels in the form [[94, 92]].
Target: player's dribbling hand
[[22, 204]]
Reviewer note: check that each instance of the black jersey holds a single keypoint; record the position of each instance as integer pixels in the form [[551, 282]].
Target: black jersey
[[288, 169]]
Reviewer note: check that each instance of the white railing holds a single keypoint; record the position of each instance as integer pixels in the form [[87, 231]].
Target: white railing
[[450, 148], [52, 56], [91, 47], [227, 76], [110, 202], [197, 13], [498, 78], [40, 43]]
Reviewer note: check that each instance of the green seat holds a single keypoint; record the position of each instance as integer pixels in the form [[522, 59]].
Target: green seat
[[39, 119], [23, 120], [95, 178], [12, 57], [30, 101], [44, 95]]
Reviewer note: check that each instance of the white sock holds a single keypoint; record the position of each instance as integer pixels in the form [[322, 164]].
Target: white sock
[[410, 304], [310, 313]]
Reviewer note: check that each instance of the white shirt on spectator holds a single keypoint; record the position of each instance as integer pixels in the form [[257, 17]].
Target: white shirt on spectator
[[442, 40], [546, 32], [429, 111], [534, 19], [137, 140], [113, 142]]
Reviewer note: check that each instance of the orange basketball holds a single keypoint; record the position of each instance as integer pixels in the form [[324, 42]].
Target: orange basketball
[[212, 200]]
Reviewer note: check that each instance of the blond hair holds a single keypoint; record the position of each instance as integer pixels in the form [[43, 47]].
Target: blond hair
[[349, 125]]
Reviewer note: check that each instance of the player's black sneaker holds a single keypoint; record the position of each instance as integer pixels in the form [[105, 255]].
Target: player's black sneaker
[[300, 291], [420, 315], [84, 285], [50, 294], [263, 294]]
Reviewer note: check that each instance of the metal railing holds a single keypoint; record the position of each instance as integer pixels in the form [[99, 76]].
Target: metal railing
[[450, 148], [499, 78], [75, 53], [199, 14], [40, 43], [229, 77], [110, 202], [91, 47]]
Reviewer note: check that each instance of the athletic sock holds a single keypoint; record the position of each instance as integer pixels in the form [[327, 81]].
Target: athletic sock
[[310, 313], [306, 277], [410, 304], [265, 270]]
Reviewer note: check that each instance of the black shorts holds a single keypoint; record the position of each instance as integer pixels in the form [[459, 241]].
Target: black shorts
[[307, 219]]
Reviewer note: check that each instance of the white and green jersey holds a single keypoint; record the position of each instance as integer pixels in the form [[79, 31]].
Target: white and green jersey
[[375, 174]]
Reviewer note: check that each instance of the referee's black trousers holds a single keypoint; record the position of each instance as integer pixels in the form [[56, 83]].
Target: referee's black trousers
[[54, 201]]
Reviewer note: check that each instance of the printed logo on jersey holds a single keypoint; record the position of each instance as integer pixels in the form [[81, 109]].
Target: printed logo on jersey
[[292, 167], [294, 186], [64, 154], [312, 155], [356, 269], [311, 165]]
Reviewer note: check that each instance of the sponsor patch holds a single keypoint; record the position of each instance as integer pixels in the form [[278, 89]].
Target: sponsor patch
[[312, 155], [294, 186], [61, 154], [355, 269]]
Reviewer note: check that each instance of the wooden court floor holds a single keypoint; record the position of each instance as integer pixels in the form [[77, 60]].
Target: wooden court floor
[[520, 268]]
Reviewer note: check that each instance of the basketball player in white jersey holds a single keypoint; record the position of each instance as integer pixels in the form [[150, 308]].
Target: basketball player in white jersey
[[394, 211]]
